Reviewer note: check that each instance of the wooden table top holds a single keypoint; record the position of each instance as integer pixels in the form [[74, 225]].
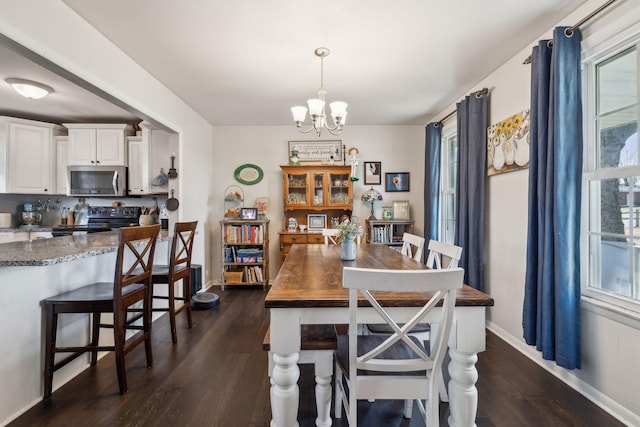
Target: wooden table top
[[311, 276]]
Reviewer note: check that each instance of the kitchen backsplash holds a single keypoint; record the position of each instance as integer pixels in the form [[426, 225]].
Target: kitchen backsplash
[[13, 203]]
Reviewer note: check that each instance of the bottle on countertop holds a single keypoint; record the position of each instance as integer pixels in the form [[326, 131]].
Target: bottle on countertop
[[164, 217], [64, 215]]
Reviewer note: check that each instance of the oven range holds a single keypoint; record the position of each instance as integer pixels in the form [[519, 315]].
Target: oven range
[[102, 218]]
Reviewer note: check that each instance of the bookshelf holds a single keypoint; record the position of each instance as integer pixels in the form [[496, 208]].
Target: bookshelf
[[245, 252], [388, 232]]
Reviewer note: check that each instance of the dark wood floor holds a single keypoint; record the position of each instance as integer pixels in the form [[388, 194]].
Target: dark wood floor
[[216, 376]]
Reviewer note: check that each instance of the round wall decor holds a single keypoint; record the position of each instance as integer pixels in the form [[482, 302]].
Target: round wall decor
[[248, 174]]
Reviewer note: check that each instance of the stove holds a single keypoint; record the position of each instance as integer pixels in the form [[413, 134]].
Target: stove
[[102, 218]]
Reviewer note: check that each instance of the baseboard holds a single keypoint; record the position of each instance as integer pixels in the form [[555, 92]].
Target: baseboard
[[603, 401]]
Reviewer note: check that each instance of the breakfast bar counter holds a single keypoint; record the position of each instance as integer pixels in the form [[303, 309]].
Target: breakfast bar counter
[[31, 271], [40, 252]]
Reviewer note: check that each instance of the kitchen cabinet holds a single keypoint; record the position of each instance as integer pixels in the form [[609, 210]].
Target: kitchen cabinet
[[245, 252], [27, 156], [288, 239], [97, 144], [62, 161], [147, 154]]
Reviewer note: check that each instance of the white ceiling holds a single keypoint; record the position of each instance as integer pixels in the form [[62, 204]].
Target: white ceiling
[[246, 62]]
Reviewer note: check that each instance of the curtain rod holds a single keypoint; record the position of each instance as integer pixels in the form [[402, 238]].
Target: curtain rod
[[569, 30], [479, 94]]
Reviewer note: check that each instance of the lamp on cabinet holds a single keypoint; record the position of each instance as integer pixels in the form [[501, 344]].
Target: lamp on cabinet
[[370, 196]]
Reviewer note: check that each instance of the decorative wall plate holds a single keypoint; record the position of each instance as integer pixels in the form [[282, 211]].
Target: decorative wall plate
[[248, 174]]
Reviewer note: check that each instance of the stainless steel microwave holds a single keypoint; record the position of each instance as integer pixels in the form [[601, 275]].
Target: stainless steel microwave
[[97, 181]]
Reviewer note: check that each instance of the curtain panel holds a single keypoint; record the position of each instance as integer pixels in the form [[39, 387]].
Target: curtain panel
[[433, 142], [472, 159], [551, 310]]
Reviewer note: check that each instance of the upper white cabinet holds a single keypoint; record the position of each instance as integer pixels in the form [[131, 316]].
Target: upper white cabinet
[[62, 161], [148, 154], [27, 156], [97, 144]]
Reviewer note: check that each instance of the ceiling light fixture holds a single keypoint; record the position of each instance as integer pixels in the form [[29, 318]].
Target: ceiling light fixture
[[316, 106], [29, 89]]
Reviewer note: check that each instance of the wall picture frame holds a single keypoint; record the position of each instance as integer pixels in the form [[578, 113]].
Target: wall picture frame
[[401, 209], [372, 173], [249, 213], [396, 181], [318, 151], [316, 222]]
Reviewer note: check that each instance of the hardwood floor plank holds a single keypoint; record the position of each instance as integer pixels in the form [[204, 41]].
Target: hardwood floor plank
[[216, 375]]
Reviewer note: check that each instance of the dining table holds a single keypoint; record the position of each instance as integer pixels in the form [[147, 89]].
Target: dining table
[[308, 290]]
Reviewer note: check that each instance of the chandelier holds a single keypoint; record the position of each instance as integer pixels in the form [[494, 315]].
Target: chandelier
[[316, 106]]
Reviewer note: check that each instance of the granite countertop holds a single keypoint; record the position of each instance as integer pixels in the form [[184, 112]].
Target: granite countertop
[[44, 228], [61, 249]]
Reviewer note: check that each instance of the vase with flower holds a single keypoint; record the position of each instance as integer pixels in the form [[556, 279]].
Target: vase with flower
[[347, 233]]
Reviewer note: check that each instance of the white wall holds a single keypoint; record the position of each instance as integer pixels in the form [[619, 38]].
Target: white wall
[[609, 374], [399, 148]]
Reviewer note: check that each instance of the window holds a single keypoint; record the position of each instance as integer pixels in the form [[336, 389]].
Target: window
[[448, 177], [612, 178]]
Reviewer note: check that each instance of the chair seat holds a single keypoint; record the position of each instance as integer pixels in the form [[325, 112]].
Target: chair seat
[[160, 272], [386, 329], [102, 291], [399, 350]]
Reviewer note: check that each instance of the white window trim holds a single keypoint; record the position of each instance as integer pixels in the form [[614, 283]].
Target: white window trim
[[448, 130], [596, 48]]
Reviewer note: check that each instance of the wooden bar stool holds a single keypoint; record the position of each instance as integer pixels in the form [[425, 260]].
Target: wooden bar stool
[[179, 268], [131, 285]]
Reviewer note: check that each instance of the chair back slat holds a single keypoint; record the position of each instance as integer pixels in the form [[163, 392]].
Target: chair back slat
[[330, 235], [182, 245]]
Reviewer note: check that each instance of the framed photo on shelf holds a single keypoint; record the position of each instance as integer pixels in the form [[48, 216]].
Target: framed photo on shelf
[[372, 173], [401, 209], [396, 181], [316, 222], [248, 213]]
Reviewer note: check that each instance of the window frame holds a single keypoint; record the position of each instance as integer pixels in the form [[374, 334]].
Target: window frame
[[449, 131], [593, 172]]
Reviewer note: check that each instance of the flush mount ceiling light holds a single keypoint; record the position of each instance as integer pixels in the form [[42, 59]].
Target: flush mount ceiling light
[[29, 89], [316, 106]]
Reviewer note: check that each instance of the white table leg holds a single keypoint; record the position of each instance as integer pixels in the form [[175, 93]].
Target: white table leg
[[463, 395], [284, 390], [323, 373]]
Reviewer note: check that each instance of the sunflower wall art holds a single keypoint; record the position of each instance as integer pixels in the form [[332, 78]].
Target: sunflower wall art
[[508, 144]]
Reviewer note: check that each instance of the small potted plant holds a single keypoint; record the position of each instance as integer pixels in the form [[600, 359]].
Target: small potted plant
[[348, 231]]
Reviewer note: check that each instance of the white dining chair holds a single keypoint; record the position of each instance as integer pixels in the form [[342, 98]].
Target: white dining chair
[[395, 366], [330, 235], [412, 246]]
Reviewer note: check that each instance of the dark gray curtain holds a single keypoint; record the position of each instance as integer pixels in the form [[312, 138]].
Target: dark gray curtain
[[432, 181], [472, 159], [551, 311]]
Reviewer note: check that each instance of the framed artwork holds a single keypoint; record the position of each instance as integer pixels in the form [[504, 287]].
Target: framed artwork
[[248, 213], [372, 173], [328, 151], [396, 181], [508, 144], [316, 222], [401, 209]]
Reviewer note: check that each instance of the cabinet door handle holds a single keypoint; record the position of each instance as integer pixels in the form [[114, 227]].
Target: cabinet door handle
[[293, 239]]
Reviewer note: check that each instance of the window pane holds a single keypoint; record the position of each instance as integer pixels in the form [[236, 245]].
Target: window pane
[[452, 155], [617, 82], [618, 138], [611, 272]]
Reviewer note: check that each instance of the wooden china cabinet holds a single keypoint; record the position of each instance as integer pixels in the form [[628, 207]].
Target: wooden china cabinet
[[324, 190]]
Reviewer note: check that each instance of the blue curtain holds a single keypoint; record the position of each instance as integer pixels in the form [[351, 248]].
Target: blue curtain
[[551, 311], [432, 181], [472, 159]]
